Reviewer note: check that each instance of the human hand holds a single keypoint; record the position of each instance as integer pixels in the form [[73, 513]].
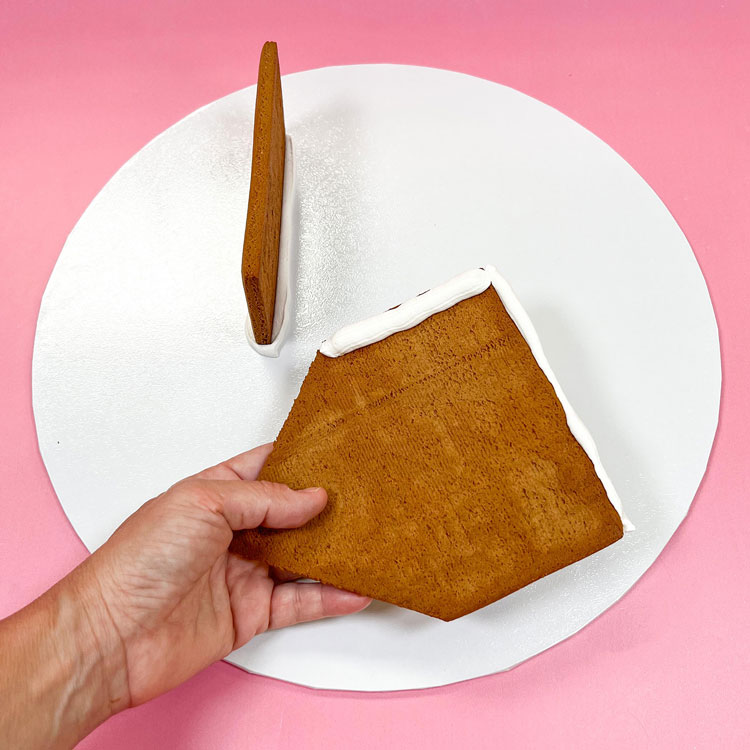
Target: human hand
[[160, 600], [165, 593]]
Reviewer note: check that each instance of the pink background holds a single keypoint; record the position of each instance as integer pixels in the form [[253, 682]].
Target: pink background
[[85, 84]]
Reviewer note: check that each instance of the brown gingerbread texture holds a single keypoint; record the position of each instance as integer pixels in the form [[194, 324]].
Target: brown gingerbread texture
[[260, 254], [452, 476]]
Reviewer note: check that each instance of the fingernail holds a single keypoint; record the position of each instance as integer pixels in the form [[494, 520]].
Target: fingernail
[[312, 489]]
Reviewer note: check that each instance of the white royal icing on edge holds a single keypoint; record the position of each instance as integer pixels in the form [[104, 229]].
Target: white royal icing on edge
[[281, 310], [469, 284]]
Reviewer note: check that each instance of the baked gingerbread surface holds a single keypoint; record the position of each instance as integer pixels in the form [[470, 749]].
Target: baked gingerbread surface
[[260, 254], [453, 478]]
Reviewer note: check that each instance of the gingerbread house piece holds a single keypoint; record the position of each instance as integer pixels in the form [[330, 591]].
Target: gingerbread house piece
[[457, 471]]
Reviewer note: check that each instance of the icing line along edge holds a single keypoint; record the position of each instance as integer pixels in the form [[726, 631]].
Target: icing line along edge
[[439, 298]]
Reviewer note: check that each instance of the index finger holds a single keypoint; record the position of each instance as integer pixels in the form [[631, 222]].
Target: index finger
[[245, 465], [247, 504]]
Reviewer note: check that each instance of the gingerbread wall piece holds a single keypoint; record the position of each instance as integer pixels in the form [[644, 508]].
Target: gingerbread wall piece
[[260, 255], [453, 476]]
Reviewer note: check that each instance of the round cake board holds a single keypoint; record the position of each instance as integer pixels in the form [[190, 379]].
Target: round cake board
[[405, 177]]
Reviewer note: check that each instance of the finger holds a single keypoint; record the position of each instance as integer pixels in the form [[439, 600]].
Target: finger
[[246, 505], [301, 602], [246, 465], [250, 591]]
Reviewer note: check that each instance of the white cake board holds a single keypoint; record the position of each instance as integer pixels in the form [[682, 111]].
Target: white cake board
[[405, 177]]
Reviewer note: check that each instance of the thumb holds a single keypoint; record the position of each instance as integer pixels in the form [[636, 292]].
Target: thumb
[[247, 504]]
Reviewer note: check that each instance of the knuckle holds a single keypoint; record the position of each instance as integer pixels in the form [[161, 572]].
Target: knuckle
[[194, 490], [298, 602], [196, 499], [264, 622], [320, 605], [273, 489]]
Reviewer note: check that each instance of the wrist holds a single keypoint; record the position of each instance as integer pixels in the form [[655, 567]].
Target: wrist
[[98, 646], [61, 662]]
